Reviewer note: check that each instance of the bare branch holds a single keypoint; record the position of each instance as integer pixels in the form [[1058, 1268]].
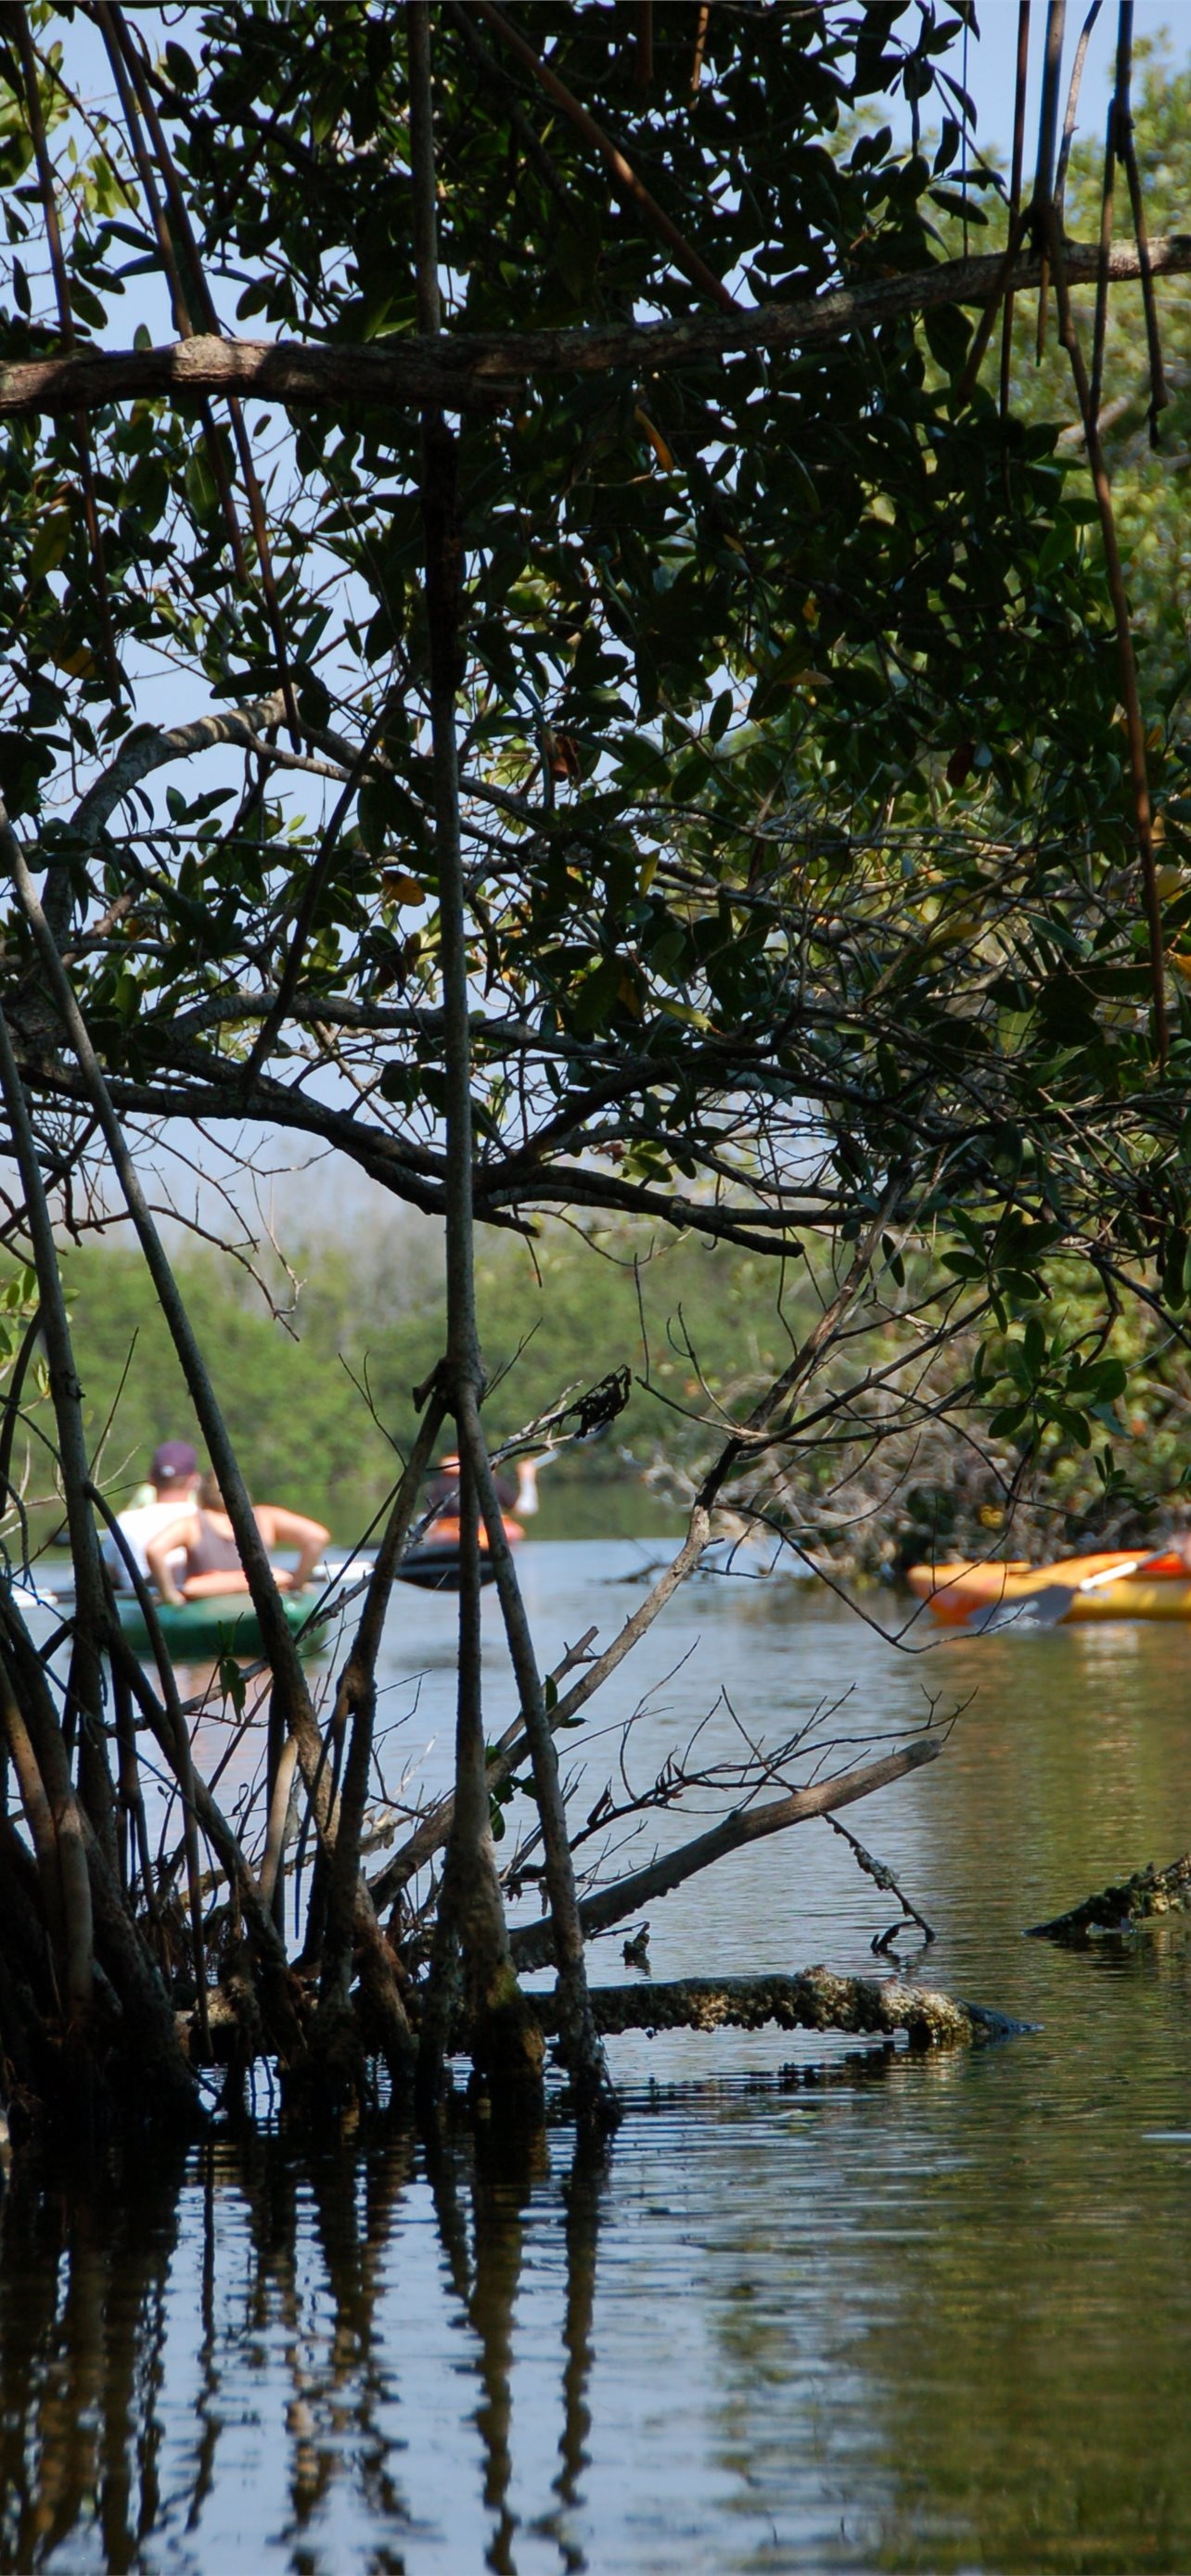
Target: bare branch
[[532, 1943]]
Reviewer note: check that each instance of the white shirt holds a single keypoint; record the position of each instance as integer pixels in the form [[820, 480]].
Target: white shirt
[[140, 1528]]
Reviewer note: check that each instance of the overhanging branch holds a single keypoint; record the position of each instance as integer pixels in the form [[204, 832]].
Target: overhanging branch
[[468, 368]]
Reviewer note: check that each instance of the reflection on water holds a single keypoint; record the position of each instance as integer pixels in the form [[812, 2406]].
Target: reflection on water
[[881, 2314]]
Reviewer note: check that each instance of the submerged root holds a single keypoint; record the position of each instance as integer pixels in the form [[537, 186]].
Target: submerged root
[[508, 2053], [1145, 1898]]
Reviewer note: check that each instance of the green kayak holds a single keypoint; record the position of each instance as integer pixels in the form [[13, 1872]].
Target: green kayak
[[199, 1632]]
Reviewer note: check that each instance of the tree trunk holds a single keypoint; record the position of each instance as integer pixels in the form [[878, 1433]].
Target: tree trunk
[[579, 2044], [473, 1993], [505, 2042]]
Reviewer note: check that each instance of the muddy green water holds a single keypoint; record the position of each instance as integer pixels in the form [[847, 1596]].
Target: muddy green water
[[890, 2314]]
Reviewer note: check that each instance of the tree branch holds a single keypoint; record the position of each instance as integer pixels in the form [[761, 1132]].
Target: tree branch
[[533, 1944], [462, 369], [814, 2000]]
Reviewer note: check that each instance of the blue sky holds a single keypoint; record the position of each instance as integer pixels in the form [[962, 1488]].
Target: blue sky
[[992, 61]]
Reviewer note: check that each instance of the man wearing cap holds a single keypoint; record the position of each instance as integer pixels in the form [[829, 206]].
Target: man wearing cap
[[173, 1476]]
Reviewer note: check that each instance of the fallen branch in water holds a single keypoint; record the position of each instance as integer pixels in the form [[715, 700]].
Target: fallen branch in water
[[813, 2000], [1145, 1898]]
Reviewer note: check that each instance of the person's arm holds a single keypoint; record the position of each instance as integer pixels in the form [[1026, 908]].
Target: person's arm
[[280, 1528], [159, 1551]]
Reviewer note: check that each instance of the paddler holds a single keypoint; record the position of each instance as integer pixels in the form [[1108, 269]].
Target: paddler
[[173, 1479], [210, 1558], [443, 1488], [518, 1498]]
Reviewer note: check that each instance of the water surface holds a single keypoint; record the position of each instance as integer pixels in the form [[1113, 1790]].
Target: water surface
[[884, 2314]]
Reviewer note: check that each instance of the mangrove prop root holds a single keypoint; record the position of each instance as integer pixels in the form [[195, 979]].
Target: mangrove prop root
[[1144, 1898], [813, 2000]]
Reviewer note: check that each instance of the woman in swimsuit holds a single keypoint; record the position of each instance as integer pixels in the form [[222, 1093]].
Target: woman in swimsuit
[[212, 1557]]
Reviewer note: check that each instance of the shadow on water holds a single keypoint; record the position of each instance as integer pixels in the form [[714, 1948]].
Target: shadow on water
[[82, 2280], [151, 2319], [869, 2314], [860, 2313]]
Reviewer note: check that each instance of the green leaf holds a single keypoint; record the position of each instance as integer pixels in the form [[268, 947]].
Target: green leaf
[[201, 489], [232, 1683], [86, 305], [180, 67], [49, 545], [721, 716]]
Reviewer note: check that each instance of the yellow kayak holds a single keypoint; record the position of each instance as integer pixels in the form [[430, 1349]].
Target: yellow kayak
[[952, 1592]]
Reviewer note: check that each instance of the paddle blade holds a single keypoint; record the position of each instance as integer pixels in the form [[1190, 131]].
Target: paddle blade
[[1043, 1609]]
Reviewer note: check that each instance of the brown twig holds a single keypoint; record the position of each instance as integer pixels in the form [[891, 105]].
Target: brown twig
[[278, 1995], [432, 1828], [1104, 246], [581, 2050], [356, 1697], [745, 1825], [983, 332], [1127, 153], [312, 891], [644, 44], [1072, 108], [181, 219], [183, 319], [1048, 123], [519, 123]]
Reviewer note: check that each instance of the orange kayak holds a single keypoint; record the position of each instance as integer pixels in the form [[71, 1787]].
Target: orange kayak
[[954, 1590]]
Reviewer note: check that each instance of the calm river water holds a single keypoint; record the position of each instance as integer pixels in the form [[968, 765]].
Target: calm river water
[[888, 2314]]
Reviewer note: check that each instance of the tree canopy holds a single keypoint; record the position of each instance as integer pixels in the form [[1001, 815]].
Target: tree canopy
[[765, 805], [632, 719]]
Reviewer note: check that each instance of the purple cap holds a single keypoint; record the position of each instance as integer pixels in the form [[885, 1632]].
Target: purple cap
[[173, 1463]]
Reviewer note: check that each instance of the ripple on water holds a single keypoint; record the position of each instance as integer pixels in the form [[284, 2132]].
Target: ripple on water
[[888, 2314]]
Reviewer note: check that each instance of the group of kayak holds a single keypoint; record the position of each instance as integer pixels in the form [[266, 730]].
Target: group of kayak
[[178, 1540], [176, 1545]]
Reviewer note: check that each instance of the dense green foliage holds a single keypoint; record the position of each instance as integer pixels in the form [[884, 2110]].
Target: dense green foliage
[[798, 847], [801, 876], [316, 1402]]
